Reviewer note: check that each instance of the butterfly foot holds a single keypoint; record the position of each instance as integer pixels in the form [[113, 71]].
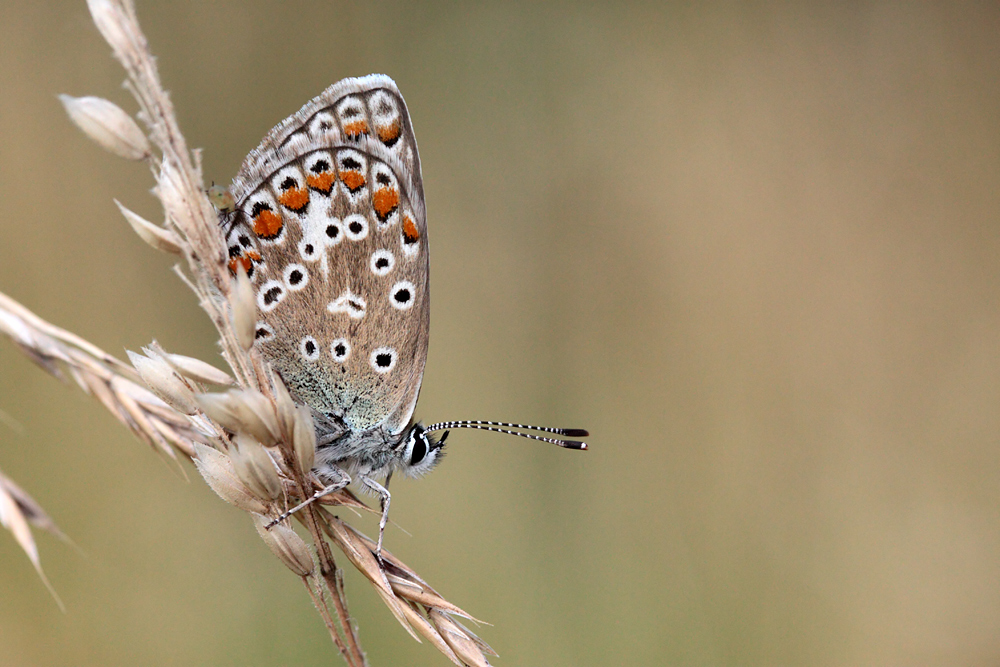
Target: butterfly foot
[[332, 488], [385, 498]]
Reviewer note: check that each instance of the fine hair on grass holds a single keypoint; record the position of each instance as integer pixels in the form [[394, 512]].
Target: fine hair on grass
[[246, 436]]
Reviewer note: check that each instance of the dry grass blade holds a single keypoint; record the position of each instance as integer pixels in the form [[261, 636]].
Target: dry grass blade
[[409, 594], [17, 511], [195, 437], [253, 445], [104, 377], [30, 509]]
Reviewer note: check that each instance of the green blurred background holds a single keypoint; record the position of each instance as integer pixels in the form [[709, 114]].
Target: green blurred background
[[753, 248]]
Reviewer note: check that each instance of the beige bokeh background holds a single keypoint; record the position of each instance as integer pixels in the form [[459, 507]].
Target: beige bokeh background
[[753, 248]]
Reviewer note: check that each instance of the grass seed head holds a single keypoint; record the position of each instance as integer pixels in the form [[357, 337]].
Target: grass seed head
[[108, 125], [255, 468], [286, 544], [162, 381]]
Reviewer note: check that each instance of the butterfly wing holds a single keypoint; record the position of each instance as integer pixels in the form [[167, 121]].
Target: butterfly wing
[[330, 224]]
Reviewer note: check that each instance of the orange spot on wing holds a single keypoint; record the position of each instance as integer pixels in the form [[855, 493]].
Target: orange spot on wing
[[267, 224], [247, 259], [236, 261], [410, 232], [295, 198], [387, 133], [322, 182], [355, 128], [353, 179], [385, 202]]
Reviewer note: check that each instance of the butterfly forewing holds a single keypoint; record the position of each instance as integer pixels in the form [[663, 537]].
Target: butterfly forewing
[[330, 225]]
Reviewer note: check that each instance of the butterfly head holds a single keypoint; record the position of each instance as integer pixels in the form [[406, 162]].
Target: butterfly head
[[419, 451]]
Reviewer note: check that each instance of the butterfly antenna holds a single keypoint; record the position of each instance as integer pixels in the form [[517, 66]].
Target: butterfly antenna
[[504, 427]]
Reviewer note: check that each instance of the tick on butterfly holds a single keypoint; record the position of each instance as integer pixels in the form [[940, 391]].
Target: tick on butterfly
[[327, 218]]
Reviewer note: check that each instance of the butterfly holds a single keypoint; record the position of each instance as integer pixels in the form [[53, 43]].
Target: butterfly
[[327, 218]]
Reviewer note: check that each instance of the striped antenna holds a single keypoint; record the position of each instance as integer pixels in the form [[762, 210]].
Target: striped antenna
[[494, 426]]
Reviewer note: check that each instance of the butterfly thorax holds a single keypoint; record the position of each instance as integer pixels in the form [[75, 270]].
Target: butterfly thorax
[[370, 452], [373, 452]]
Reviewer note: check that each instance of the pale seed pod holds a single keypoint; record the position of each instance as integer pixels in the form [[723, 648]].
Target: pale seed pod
[[244, 309], [257, 412], [464, 647], [172, 189], [198, 370], [218, 471], [304, 442], [109, 126], [162, 381], [242, 411], [219, 408], [110, 21], [154, 235], [254, 466], [286, 544], [285, 406]]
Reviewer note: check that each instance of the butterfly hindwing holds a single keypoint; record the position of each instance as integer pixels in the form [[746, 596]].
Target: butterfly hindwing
[[330, 223]]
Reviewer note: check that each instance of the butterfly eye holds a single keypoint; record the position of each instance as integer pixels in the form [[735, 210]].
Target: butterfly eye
[[421, 453], [419, 449]]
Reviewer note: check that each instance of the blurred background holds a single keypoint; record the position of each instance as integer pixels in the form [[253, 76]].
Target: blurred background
[[753, 248]]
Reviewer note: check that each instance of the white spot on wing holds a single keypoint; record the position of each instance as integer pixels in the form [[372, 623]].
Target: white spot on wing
[[383, 359], [333, 232], [263, 332], [355, 227], [270, 295], [296, 277], [309, 250], [382, 262], [322, 124], [340, 350], [402, 295], [309, 348], [348, 302]]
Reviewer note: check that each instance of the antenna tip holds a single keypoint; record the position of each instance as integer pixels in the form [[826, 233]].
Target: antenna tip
[[573, 444], [575, 432]]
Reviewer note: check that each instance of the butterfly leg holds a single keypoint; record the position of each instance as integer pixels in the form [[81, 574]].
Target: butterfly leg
[[343, 480], [385, 498]]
